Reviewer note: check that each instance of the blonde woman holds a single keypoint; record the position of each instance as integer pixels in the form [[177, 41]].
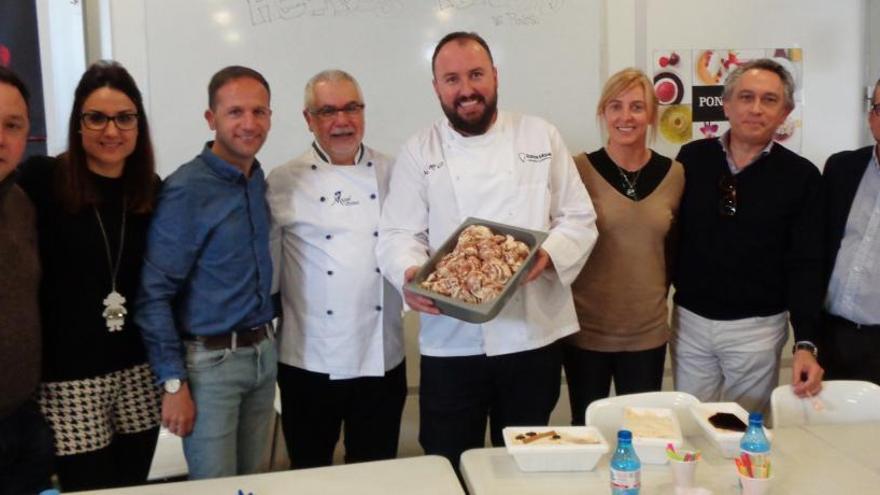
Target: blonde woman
[[620, 295]]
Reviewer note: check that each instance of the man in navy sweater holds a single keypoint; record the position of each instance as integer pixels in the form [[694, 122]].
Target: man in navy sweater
[[751, 251]]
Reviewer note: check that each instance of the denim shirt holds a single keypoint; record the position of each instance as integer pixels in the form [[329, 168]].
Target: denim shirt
[[208, 269]]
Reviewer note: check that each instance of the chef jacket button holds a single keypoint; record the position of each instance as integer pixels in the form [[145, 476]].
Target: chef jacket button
[[373, 196], [378, 308], [378, 270], [314, 167], [323, 199], [328, 236], [369, 164], [376, 233], [329, 272], [329, 311]]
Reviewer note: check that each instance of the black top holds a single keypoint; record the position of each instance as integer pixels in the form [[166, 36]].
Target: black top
[[77, 278], [649, 177], [765, 259]]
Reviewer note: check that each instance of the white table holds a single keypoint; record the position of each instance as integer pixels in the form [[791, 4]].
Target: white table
[[428, 475], [858, 442], [803, 464]]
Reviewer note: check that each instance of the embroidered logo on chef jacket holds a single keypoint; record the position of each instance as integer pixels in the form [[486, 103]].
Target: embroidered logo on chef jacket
[[338, 199], [541, 157], [433, 167]]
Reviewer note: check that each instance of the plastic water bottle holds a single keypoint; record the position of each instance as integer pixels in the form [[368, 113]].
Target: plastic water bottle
[[754, 442], [626, 469]]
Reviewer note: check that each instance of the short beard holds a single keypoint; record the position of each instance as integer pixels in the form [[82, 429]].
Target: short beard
[[477, 127]]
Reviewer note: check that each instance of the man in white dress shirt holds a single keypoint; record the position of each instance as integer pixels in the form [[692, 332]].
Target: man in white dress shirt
[[341, 342], [508, 168]]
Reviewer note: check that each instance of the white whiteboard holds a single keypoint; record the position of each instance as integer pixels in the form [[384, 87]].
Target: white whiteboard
[[547, 53]]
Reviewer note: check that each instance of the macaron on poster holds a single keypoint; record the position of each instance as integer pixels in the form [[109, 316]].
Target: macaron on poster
[[689, 84]]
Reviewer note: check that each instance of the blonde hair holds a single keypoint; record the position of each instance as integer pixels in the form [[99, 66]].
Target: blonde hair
[[622, 81]]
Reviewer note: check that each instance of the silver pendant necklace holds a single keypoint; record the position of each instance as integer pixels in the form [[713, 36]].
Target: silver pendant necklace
[[114, 304], [630, 185]]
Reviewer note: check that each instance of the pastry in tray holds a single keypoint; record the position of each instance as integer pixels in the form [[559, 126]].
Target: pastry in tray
[[476, 270]]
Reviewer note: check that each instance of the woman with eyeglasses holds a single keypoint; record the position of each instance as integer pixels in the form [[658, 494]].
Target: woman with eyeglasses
[[93, 204], [620, 295]]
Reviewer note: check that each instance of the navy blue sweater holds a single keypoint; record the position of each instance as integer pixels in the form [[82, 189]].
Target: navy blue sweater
[[767, 258]]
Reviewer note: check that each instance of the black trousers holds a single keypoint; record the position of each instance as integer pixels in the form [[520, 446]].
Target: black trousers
[[26, 451], [849, 353], [314, 409], [457, 394], [589, 375], [125, 462]]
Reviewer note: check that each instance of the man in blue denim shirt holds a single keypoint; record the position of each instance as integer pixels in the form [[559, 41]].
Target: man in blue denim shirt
[[204, 305]]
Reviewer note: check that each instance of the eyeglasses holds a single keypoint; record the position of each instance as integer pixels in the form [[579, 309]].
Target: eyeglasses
[[875, 109], [329, 112], [98, 121], [727, 187]]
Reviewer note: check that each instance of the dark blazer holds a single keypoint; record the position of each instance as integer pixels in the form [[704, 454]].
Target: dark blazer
[[843, 174]]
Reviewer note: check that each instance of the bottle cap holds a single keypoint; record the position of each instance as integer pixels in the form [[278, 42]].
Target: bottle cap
[[624, 435], [756, 417]]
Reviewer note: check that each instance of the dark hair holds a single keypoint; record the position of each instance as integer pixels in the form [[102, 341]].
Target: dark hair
[[75, 186], [461, 37], [12, 79], [230, 73]]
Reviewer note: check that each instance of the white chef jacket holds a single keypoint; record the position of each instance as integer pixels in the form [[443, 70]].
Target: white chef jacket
[[519, 173], [341, 317]]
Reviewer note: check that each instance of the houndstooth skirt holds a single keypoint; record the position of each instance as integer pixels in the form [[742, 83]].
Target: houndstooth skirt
[[86, 414]]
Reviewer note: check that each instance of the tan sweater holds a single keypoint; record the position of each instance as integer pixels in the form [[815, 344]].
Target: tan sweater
[[620, 295]]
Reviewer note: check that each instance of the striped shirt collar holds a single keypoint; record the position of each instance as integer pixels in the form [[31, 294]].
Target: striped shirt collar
[[724, 139]]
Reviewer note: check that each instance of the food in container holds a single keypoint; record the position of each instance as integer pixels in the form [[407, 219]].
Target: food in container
[[653, 428], [556, 448], [474, 312]]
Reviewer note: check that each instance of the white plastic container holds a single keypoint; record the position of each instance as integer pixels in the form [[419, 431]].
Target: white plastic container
[[556, 456], [727, 441], [652, 449]]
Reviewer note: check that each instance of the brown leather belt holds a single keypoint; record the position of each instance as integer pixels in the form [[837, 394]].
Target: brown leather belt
[[843, 322], [235, 339]]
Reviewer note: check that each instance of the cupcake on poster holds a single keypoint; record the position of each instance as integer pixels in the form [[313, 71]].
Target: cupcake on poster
[[672, 85]]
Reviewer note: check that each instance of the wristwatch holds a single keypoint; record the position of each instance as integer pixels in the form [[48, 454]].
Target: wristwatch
[[803, 345], [172, 385]]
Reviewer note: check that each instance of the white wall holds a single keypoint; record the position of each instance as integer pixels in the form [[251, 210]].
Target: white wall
[[62, 60], [841, 55], [872, 63]]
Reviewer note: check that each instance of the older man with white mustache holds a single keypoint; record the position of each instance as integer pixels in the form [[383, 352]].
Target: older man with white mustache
[[341, 341]]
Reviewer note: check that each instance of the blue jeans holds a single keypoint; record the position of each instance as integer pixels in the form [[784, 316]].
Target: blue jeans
[[234, 393]]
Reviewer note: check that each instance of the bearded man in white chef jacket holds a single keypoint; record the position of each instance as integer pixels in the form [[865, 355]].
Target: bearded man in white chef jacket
[[508, 168], [341, 357]]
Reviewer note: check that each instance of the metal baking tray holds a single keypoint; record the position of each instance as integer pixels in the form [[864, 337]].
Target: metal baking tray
[[477, 313]]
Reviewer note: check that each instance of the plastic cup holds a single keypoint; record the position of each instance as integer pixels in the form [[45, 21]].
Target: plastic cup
[[683, 472], [754, 486]]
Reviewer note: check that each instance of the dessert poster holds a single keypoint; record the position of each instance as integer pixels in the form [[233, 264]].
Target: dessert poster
[[689, 84]]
